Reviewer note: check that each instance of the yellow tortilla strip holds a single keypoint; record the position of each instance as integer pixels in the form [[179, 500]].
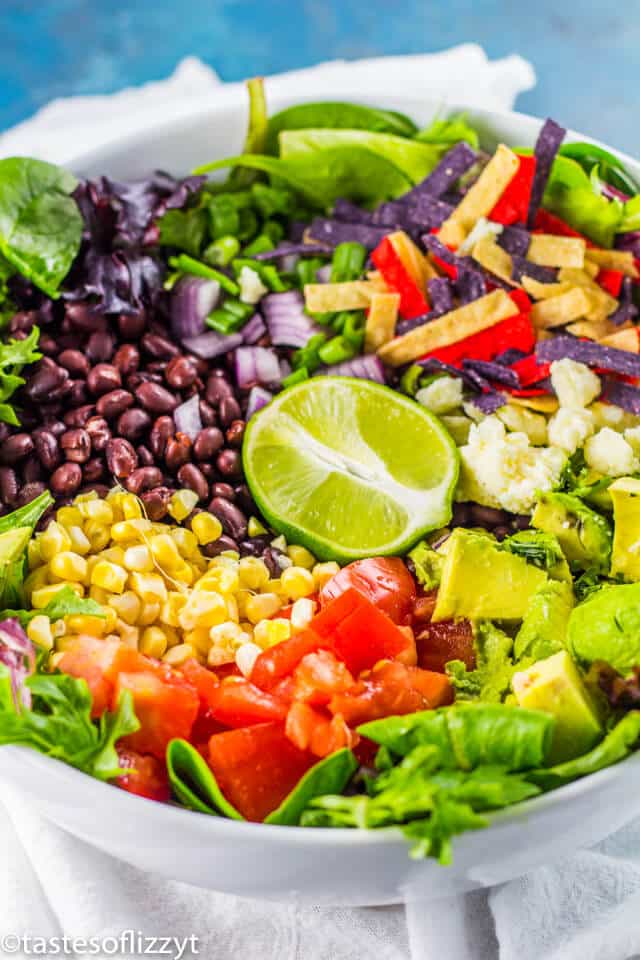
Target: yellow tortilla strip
[[621, 260], [381, 322], [541, 404], [626, 339], [547, 250], [601, 304], [542, 291], [594, 329], [494, 259], [414, 261], [331, 297], [449, 328], [482, 197], [556, 311]]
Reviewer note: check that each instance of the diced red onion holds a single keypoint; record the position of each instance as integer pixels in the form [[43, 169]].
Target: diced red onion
[[17, 653], [212, 344], [288, 324], [187, 417], [258, 398], [253, 329], [323, 274], [192, 300], [256, 365], [367, 367]]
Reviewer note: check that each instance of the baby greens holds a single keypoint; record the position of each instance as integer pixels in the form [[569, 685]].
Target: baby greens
[[14, 355], [337, 116], [193, 782], [330, 775]]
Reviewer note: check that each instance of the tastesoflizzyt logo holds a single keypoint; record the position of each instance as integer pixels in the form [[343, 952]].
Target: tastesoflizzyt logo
[[127, 944]]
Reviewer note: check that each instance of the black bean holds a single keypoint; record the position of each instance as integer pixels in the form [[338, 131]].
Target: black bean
[[15, 448], [244, 499], [180, 373], [103, 378], [131, 325], [208, 442], [81, 317], [161, 430], [270, 557], [232, 519], [229, 410], [216, 547], [31, 469], [156, 502], [235, 433], [229, 463], [78, 394], [133, 423], [121, 458], [75, 362], [177, 452], [224, 490], [8, 485], [56, 427], [47, 345], [79, 416], [217, 389], [189, 476], [66, 479], [29, 492], [156, 399], [209, 470], [487, 516], [99, 432], [76, 445], [93, 470], [100, 347], [5, 431], [159, 347], [47, 449], [207, 414], [126, 359], [522, 521], [41, 385], [501, 531], [114, 403], [144, 478], [461, 515], [145, 457]]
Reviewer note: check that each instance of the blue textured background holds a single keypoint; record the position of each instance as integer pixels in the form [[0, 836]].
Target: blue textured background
[[585, 52]]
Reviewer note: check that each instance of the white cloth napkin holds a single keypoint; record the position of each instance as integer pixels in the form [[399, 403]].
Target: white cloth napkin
[[586, 908]]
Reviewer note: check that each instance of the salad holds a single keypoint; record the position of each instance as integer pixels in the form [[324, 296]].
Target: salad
[[320, 478]]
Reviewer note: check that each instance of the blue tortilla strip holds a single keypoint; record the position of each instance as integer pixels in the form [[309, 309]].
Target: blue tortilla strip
[[515, 240], [470, 285], [429, 212], [509, 356], [523, 267], [489, 402], [438, 249], [433, 365], [547, 145], [440, 295], [590, 353], [621, 394], [626, 310], [493, 371], [392, 213], [346, 210], [333, 232], [286, 249], [405, 326], [452, 166]]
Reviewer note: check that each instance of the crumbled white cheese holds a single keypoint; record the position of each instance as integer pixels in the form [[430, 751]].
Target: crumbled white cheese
[[441, 395], [252, 288], [609, 415], [568, 429], [525, 421], [632, 436], [609, 453], [574, 383], [500, 469]]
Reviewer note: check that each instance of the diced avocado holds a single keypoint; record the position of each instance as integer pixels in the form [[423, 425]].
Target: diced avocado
[[625, 556], [481, 581], [544, 628], [584, 535], [555, 686], [427, 563], [606, 626], [542, 550], [13, 543]]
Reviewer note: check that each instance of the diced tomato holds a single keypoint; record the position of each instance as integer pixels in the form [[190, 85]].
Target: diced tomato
[[385, 581], [279, 661], [513, 205], [238, 703], [423, 608], [256, 767], [413, 302], [391, 689], [205, 681], [360, 634], [546, 222], [515, 331], [147, 776], [530, 371], [611, 281], [165, 710], [312, 729], [447, 640], [318, 676], [79, 662]]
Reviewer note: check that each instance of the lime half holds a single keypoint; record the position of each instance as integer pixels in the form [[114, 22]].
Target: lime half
[[350, 469]]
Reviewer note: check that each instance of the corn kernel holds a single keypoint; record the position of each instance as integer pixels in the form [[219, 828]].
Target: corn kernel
[[97, 534], [206, 527], [322, 573], [269, 632], [254, 573], [36, 579], [79, 540], [183, 574], [128, 634], [127, 605], [297, 582], [109, 576], [279, 543], [58, 628], [221, 579], [34, 553], [198, 638], [83, 623], [55, 660], [54, 540], [255, 528], [69, 517], [227, 633], [241, 602], [232, 608], [173, 637], [246, 627], [203, 608], [302, 613], [150, 587], [114, 555], [68, 566], [149, 612], [272, 586], [153, 642], [185, 541], [165, 551], [131, 507], [219, 655], [98, 510], [262, 606], [43, 595], [170, 611], [99, 595], [246, 656], [84, 497], [181, 504], [110, 618], [301, 557], [138, 559], [177, 655], [133, 529], [39, 632]]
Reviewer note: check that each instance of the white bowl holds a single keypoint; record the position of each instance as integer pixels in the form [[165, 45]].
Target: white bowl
[[322, 866]]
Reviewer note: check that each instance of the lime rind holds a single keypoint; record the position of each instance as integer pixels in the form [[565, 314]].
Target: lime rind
[[349, 468]]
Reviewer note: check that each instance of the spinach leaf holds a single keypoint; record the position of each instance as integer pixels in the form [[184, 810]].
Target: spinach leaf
[[415, 160], [337, 116], [14, 355], [59, 723], [193, 782], [184, 229], [324, 175], [449, 131], [66, 603], [40, 224], [330, 775]]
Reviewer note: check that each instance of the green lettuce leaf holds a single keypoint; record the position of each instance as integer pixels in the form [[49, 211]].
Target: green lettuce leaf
[[66, 603], [328, 776], [569, 194], [337, 116], [447, 131], [491, 680], [14, 355], [193, 782], [427, 564]]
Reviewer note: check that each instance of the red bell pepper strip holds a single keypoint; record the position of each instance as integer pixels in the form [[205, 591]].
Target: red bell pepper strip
[[521, 300], [611, 281], [530, 371], [413, 302], [513, 205], [546, 222], [515, 332]]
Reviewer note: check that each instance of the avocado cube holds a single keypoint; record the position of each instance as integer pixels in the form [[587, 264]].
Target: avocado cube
[[606, 626], [584, 535], [625, 556]]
